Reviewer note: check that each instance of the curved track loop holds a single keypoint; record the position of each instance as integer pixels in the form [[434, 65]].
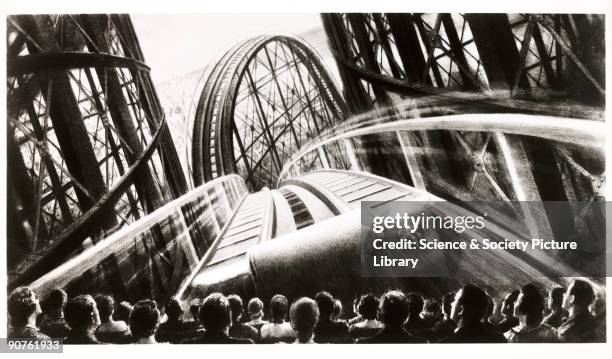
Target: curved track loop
[[237, 84]]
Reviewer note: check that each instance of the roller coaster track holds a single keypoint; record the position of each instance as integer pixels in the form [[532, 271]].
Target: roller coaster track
[[288, 231]]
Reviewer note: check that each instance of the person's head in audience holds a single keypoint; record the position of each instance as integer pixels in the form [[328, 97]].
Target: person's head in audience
[[555, 298], [431, 308], [393, 310], [447, 302], [469, 306], [278, 308], [529, 306], [579, 296], [304, 315], [415, 305], [144, 321], [106, 307], [507, 306], [368, 307], [174, 310], [236, 306], [54, 303], [255, 308], [123, 311], [337, 310], [194, 309], [23, 308], [82, 315], [215, 313], [325, 303]]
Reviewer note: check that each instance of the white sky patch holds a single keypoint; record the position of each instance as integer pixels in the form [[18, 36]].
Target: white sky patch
[[175, 44]]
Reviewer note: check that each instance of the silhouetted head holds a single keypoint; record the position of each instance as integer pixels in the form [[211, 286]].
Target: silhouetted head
[[123, 311], [325, 302], [236, 306], [278, 308], [174, 309], [555, 298], [580, 294], [368, 306], [144, 319], [255, 308], [530, 303], [304, 314], [415, 304], [470, 304], [22, 304], [106, 307], [55, 302], [393, 309], [215, 313], [82, 314]]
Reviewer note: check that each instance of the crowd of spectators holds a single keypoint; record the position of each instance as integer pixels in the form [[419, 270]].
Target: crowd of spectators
[[466, 316]]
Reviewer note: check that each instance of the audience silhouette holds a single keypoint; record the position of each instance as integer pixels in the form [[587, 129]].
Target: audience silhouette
[[529, 309], [23, 307], [239, 329], [327, 330], [144, 321], [110, 330], [468, 310], [580, 326], [304, 315], [175, 329], [53, 322], [216, 317], [278, 329], [466, 316], [392, 312], [83, 318]]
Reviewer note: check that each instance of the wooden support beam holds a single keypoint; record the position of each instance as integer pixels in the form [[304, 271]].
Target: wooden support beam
[[383, 37], [431, 64], [148, 97], [70, 130], [458, 56], [23, 187], [497, 49], [408, 46], [360, 33], [355, 94], [545, 59], [148, 191], [72, 236]]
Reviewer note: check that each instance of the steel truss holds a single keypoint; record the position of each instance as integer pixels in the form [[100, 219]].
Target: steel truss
[[474, 63], [88, 147], [260, 102], [514, 55]]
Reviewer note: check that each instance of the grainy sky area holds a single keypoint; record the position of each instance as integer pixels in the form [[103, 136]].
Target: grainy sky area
[[174, 45]]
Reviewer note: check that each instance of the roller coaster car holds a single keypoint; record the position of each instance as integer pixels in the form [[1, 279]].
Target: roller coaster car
[[328, 256]]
